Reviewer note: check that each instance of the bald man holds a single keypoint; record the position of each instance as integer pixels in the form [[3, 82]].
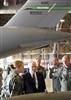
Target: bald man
[[33, 84], [66, 74]]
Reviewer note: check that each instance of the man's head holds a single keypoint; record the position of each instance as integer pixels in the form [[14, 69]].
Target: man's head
[[66, 60], [32, 67], [55, 62], [38, 61], [19, 66]]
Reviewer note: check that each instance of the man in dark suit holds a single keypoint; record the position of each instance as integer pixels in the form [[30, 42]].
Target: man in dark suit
[[33, 85]]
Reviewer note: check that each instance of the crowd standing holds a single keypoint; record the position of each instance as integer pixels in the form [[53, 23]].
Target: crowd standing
[[64, 75], [29, 82], [33, 80]]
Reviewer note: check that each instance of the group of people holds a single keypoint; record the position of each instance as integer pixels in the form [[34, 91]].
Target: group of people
[[32, 81], [61, 74]]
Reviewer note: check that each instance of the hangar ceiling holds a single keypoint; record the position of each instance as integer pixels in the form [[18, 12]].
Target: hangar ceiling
[[7, 12], [11, 3]]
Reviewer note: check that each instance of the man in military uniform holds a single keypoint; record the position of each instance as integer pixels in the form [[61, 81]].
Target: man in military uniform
[[55, 76], [1, 71], [40, 68], [65, 74]]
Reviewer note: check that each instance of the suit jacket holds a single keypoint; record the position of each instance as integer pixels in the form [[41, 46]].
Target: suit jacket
[[29, 85]]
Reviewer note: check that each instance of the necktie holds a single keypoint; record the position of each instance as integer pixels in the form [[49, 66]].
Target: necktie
[[34, 77]]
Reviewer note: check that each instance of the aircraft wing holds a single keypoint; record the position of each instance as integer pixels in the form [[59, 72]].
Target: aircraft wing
[[43, 96], [41, 13], [19, 39], [26, 29]]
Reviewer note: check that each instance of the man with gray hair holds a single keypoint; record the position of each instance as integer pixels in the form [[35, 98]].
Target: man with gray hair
[[33, 81]]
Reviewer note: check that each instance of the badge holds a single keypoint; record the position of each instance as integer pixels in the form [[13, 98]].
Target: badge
[[64, 72]]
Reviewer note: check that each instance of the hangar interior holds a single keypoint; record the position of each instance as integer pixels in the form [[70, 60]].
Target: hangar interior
[[63, 47]]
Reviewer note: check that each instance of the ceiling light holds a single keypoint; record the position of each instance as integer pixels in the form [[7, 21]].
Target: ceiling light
[[5, 3], [62, 20]]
